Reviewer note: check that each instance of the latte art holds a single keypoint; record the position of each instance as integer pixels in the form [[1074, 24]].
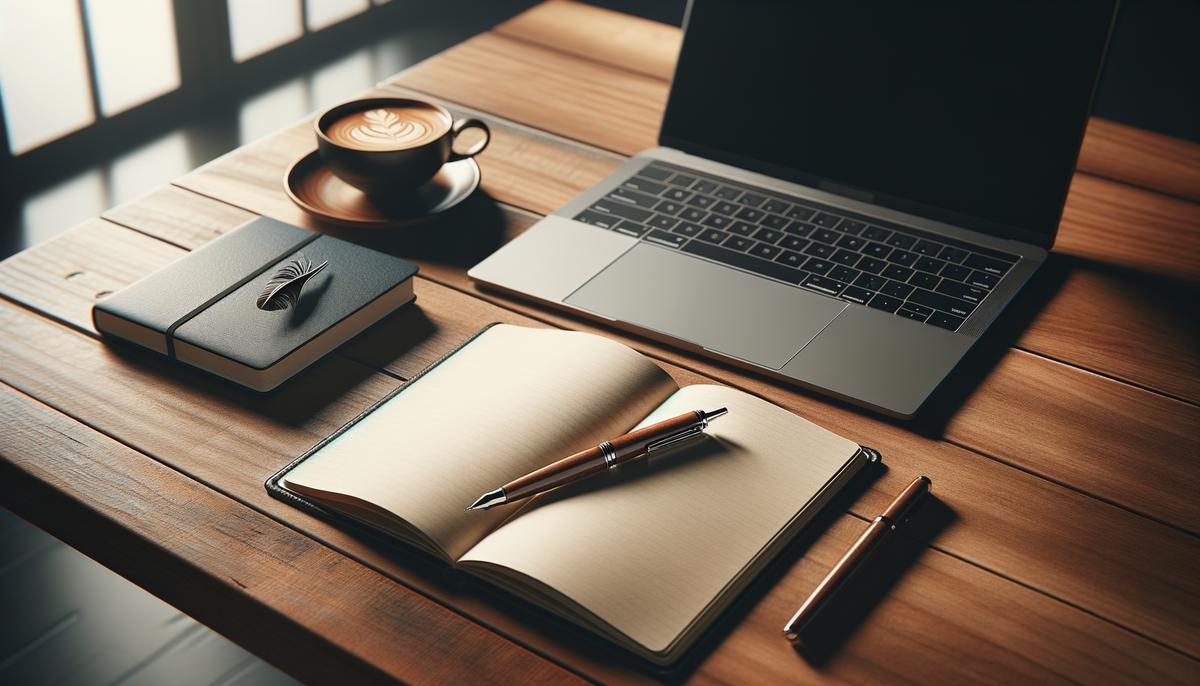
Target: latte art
[[388, 128]]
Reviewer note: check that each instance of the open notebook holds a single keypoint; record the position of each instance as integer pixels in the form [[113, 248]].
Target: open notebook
[[646, 555]]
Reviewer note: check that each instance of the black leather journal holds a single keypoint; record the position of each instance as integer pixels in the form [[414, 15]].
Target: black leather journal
[[204, 310]]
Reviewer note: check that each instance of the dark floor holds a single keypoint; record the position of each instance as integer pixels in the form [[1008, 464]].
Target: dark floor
[[69, 620]]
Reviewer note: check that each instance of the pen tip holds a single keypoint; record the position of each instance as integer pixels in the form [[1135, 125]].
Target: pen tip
[[489, 499]]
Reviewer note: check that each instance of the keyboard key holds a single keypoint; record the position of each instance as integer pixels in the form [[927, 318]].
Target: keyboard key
[[923, 280], [981, 280], [633, 197], [956, 272], [682, 180], [857, 295], [774, 270], [919, 309], [896, 289], [876, 233], [902, 257], [668, 207], [899, 240], [637, 183], [845, 274], [705, 186], [870, 264], [818, 266], [825, 219], [620, 209], [767, 252], [775, 206], [631, 228], [929, 264], [701, 201], [727, 193], [656, 173], [793, 242], [800, 228], [743, 228], [688, 229], [750, 214], [712, 235], [604, 221], [846, 257], [672, 240], [662, 221], [895, 271], [927, 248], [768, 235], [677, 194], [819, 250], [739, 243], [944, 303], [953, 254], [909, 314], [870, 281], [885, 303], [775, 221], [692, 214], [752, 199], [962, 291], [946, 321], [822, 284], [824, 235], [725, 207], [851, 243], [877, 250], [987, 265], [791, 259], [717, 221], [801, 213], [851, 226]]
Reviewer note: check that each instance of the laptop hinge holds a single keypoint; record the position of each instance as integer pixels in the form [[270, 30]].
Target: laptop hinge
[[846, 191]]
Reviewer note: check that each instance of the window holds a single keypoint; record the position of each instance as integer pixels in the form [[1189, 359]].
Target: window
[[67, 65]]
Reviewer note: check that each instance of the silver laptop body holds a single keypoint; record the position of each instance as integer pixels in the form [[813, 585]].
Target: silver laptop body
[[663, 281]]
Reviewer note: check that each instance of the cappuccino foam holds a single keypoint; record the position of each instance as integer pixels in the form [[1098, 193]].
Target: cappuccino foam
[[388, 128]]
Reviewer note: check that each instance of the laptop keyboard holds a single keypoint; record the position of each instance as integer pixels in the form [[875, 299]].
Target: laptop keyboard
[[912, 274]]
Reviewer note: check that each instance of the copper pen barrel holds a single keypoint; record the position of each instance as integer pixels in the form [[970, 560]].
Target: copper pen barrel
[[854, 558], [598, 458]]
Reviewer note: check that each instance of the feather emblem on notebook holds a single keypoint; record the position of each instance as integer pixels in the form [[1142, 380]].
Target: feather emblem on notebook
[[283, 290]]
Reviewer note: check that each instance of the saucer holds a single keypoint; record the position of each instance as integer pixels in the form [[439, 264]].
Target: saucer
[[312, 186]]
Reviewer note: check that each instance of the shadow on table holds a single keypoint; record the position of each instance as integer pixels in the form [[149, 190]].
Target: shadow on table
[[994, 345]]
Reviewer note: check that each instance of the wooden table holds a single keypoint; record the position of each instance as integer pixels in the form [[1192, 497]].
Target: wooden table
[[1062, 544]]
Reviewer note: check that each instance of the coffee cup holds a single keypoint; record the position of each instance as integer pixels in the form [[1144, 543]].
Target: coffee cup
[[382, 145]]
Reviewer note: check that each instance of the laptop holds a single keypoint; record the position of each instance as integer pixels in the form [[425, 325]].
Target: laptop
[[845, 194]]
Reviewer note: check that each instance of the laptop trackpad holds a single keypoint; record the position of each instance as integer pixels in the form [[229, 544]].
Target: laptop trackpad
[[719, 308]]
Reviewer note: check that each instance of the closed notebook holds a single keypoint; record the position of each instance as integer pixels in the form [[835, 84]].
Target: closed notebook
[[646, 555], [203, 308]]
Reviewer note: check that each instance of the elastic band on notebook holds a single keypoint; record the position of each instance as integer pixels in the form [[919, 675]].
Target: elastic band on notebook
[[170, 333]]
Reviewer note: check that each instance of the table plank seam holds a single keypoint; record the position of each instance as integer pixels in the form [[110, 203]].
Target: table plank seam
[[1105, 375], [684, 363]]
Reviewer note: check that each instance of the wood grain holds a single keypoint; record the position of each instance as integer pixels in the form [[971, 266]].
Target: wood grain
[[1145, 594], [229, 566], [1110, 149], [939, 600], [249, 179], [1111, 223]]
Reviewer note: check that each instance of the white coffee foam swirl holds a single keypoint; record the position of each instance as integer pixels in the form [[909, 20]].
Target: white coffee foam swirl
[[382, 128]]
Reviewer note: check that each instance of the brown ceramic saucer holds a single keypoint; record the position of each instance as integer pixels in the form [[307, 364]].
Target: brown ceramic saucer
[[312, 186]]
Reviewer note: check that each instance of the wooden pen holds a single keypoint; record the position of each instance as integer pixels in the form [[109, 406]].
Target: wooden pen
[[866, 544], [599, 458]]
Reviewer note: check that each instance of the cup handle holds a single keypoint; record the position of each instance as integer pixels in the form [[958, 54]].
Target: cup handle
[[470, 123]]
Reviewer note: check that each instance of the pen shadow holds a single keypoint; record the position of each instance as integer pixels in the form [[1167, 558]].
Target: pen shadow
[[830, 629], [827, 633]]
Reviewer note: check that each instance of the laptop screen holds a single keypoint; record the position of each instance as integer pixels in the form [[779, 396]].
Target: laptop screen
[[967, 112]]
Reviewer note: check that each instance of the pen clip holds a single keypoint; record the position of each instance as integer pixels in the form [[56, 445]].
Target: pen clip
[[671, 440]]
